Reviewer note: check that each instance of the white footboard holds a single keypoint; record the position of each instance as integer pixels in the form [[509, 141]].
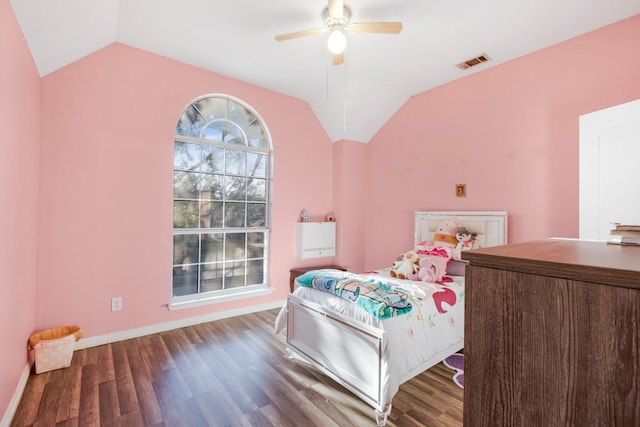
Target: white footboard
[[354, 354], [350, 354]]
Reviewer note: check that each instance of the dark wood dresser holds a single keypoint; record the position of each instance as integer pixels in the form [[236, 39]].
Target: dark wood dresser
[[551, 335]]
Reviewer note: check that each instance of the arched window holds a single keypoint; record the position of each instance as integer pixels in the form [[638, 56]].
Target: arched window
[[221, 186]]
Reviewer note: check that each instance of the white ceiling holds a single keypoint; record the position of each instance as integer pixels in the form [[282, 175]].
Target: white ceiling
[[353, 101]]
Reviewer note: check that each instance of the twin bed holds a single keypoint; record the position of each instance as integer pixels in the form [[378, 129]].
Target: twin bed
[[372, 354]]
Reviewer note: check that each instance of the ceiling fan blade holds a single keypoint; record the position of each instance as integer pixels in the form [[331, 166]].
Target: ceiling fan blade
[[297, 34], [336, 8], [377, 27], [338, 58]]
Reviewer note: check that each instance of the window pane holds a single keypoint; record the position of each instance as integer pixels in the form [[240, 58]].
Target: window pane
[[211, 187], [256, 137], [235, 188], [234, 248], [212, 108], [212, 247], [255, 245], [256, 215], [255, 272], [185, 214], [210, 277], [211, 214], [212, 159], [223, 131], [185, 185], [257, 190], [185, 249], [239, 115], [185, 280], [256, 165], [234, 215], [234, 274], [186, 156], [190, 123], [236, 162]]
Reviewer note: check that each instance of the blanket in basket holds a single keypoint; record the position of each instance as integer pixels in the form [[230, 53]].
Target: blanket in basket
[[374, 296]]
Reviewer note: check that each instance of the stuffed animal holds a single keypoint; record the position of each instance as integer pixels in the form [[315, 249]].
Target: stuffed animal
[[405, 266], [432, 268], [466, 241], [427, 272], [445, 235]]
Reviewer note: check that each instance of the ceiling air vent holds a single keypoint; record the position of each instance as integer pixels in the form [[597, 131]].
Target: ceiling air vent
[[473, 61]]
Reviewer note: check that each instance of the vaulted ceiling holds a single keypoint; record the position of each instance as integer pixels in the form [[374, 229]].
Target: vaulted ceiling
[[353, 100]]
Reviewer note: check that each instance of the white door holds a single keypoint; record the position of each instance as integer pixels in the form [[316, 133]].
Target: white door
[[609, 169]]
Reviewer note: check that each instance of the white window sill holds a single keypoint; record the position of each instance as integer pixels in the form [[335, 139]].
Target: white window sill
[[214, 299]]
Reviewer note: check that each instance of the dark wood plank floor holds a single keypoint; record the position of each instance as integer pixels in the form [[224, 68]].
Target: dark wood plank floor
[[231, 372]]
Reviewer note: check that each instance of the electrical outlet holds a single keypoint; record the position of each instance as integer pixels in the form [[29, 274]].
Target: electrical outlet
[[116, 304]]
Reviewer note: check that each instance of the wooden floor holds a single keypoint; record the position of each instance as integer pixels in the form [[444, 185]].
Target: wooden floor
[[231, 372]]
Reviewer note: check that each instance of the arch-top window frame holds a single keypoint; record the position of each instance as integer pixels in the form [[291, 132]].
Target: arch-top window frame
[[221, 202]]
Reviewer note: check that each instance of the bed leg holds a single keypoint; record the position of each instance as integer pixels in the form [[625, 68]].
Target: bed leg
[[381, 417]]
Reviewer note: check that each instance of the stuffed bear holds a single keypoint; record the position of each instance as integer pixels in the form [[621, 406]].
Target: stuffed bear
[[445, 235], [405, 266]]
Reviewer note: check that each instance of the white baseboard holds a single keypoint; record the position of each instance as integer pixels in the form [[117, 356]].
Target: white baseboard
[[17, 395], [128, 334], [162, 327]]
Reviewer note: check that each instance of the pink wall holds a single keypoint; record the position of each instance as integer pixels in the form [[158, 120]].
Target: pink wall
[[510, 133], [349, 164], [105, 205], [19, 118], [103, 184]]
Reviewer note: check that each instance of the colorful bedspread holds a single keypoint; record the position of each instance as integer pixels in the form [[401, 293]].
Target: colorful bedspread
[[374, 296]]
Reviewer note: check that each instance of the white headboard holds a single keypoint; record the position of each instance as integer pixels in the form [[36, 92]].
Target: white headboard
[[491, 227]]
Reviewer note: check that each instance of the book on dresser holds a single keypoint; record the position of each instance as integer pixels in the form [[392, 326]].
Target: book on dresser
[[625, 234], [625, 227], [630, 240]]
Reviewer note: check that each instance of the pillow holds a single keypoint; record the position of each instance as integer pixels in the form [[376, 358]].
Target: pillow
[[456, 268]]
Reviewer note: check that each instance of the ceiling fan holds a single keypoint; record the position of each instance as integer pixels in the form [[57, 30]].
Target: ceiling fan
[[337, 19]]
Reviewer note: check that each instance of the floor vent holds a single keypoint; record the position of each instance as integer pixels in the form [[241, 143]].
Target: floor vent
[[473, 61]]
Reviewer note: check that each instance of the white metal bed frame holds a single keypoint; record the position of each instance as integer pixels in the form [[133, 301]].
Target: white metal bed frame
[[313, 331]]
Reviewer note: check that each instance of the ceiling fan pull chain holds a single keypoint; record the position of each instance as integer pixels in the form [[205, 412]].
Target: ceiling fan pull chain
[[344, 101]]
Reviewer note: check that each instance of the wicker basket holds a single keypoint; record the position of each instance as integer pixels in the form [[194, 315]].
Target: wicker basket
[[53, 348]]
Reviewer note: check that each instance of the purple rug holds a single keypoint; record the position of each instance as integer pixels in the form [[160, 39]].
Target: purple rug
[[456, 362]]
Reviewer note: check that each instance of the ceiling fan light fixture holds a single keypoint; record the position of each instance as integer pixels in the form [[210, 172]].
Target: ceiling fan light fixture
[[337, 42], [337, 20]]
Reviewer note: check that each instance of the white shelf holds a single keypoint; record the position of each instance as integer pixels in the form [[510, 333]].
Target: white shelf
[[316, 239]]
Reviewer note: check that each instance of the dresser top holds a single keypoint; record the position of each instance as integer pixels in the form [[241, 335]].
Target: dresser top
[[572, 259]]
